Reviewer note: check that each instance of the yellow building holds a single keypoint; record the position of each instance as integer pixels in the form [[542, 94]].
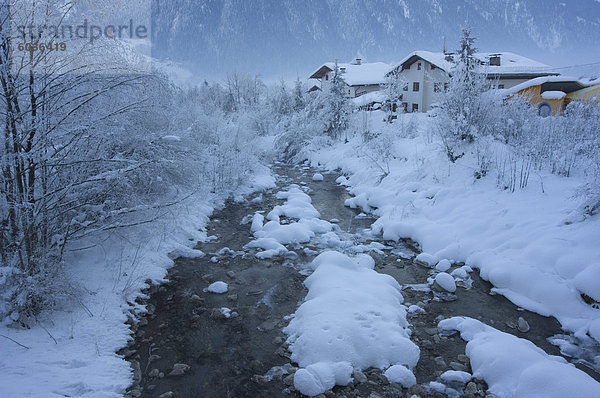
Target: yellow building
[[591, 93], [550, 94]]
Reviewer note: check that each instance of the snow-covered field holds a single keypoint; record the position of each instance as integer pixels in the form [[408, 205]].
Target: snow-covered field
[[71, 352], [534, 245]]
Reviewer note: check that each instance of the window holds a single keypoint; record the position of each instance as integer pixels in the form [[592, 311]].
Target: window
[[327, 77], [419, 66], [405, 88], [432, 67], [445, 87], [437, 87], [500, 86], [416, 86], [415, 107], [405, 107], [544, 109]]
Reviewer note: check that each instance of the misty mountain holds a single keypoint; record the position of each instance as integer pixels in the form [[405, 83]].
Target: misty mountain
[[292, 37]]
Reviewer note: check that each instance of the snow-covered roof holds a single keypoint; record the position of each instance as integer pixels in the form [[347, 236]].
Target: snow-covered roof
[[353, 74], [437, 59], [373, 96], [572, 82], [509, 63]]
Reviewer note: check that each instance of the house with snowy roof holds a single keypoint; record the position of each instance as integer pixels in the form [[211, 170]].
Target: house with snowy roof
[[426, 74], [550, 94], [359, 77]]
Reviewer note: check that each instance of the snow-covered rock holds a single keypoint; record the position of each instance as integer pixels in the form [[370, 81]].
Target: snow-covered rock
[[446, 282], [459, 376], [460, 273], [322, 376], [400, 374], [218, 287], [257, 222], [443, 265], [317, 177]]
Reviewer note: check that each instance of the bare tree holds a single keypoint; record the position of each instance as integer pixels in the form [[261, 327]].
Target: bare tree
[[59, 166]]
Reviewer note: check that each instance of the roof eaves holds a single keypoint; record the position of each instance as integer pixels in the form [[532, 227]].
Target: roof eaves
[[322, 71]]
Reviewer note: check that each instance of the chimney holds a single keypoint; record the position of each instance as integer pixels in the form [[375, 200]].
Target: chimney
[[495, 60], [358, 61], [450, 57]]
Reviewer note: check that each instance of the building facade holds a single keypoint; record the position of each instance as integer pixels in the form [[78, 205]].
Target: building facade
[[426, 74]]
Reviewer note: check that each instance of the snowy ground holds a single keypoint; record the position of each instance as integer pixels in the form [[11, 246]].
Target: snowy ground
[[533, 245], [515, 367], [72, 352]]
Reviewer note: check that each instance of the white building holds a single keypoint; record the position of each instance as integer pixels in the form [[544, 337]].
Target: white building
[[359, 78], [426, 74]]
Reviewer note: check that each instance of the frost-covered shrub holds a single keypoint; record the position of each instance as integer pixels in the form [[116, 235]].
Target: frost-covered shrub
[[466, 111], [380, 151], [316, 118]]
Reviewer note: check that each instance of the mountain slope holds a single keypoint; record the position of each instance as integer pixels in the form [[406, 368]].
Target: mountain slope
[[287, 37]]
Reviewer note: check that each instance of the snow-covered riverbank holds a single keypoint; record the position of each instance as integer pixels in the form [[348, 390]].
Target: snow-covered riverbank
[[72, 352], [535, 245]]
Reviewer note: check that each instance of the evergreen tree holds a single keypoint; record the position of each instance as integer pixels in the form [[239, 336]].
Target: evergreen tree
[[464, 109], [467, 50], [336, 106], [298, 101]]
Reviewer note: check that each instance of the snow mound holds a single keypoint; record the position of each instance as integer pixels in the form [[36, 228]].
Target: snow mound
[[462, 272], [400, 374], [415, 309], [446, 281], [218, 287], [276, 232], [351, 314], [587, 281], [257, 222], [227, 313], [458, 376], [317, 177], [514, 367], [322, 376], [443, 265], [271, 247], [427, 259], [342, 180], [298, 205]]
